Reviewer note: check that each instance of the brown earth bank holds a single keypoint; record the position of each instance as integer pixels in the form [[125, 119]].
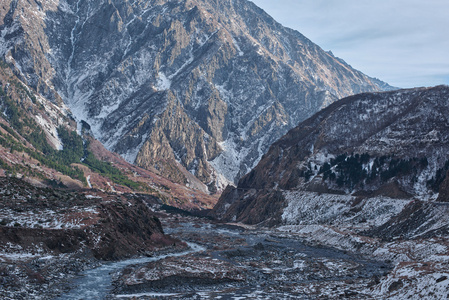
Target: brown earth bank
[[173, 194], [48, 235], [147, 181], [58, 221]]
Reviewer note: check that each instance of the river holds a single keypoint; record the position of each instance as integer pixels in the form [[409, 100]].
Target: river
[[96, 284], [255, 264]]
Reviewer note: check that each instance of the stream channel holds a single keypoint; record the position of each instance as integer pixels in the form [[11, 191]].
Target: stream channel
[[96, 284], [253, 265]]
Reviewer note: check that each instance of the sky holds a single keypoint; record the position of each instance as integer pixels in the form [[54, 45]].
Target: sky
[[402, 42]]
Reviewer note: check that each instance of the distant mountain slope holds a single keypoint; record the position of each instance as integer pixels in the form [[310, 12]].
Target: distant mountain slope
[[38, 142], [198, 87], [391, 144]]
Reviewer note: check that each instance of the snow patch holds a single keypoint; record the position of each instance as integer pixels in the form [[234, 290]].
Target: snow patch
[[414, 281], [50, 131], [163, 83], [306, 207], [93, 197], [229, 161], [6, 45], [88, 182], [313, 208], [151, 295], [240, 52], [112, 187], [47, 219], [131, 155]]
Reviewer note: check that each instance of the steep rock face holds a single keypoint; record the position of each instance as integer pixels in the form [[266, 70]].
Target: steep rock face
[[443, 195], [38, 143], [229, 78], [392, 144], [24, 43]]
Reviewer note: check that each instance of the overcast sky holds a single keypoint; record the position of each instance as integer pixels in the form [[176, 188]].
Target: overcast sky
[[402, 42]]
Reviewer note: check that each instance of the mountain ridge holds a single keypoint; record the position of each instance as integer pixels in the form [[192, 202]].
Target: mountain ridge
[[39, 143], [198, 87], [389, 143]]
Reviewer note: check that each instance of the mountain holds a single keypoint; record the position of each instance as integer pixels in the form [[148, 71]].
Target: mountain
[[39, 143], [366, 175], [196, 89], [392, 145]]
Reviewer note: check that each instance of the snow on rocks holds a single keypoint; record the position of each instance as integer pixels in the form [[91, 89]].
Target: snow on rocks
[[192, 267], [163, 83], [315, 208], [414, 280], [346, 222], [74, 218]]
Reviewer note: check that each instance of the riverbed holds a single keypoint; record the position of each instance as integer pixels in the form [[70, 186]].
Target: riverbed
[[96, 284], [232, 262]]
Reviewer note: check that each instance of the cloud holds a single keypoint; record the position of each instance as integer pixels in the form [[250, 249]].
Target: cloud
[[404, 42]]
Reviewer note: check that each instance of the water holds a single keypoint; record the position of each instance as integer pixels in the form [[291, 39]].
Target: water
[[95, 284], [289, 261]]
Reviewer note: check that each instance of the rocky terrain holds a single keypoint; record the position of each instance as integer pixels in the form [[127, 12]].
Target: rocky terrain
[[391, 144], [48, 235], [337, 246], [352, 203], [366, 175], [287, 262], [38, 143], [197, 89]]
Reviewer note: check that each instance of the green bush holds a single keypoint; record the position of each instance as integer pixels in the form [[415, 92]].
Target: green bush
[[74, 150], [109, 171]]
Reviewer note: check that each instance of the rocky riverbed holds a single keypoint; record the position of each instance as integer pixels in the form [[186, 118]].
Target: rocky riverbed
[[97, 246], [47, 236], [247, 263]]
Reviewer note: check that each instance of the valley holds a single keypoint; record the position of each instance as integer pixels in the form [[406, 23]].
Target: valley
[[227, 261], [337, 251], [198, 149]]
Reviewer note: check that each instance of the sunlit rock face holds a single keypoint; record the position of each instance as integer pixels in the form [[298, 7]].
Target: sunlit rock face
[[198, 89]]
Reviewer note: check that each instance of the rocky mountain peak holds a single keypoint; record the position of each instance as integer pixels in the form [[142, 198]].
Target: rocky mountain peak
[[197, 89]]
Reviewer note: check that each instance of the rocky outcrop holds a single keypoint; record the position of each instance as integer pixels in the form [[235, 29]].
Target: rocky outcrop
[[195, 87], [180, 273], [390, 144], [417, 220]]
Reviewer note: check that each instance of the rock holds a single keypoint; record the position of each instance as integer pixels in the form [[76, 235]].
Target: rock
[[208, 85], [371, 145], [117, 228]]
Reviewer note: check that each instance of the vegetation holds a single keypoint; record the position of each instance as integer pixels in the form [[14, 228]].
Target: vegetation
[[439, 177], [58, 160], [354, 170], [74, 150], [4, 166], [31, 131], [109, 171], [3, 64]]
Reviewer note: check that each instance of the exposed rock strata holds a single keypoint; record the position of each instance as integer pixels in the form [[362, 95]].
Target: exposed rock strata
[[208, 84]]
